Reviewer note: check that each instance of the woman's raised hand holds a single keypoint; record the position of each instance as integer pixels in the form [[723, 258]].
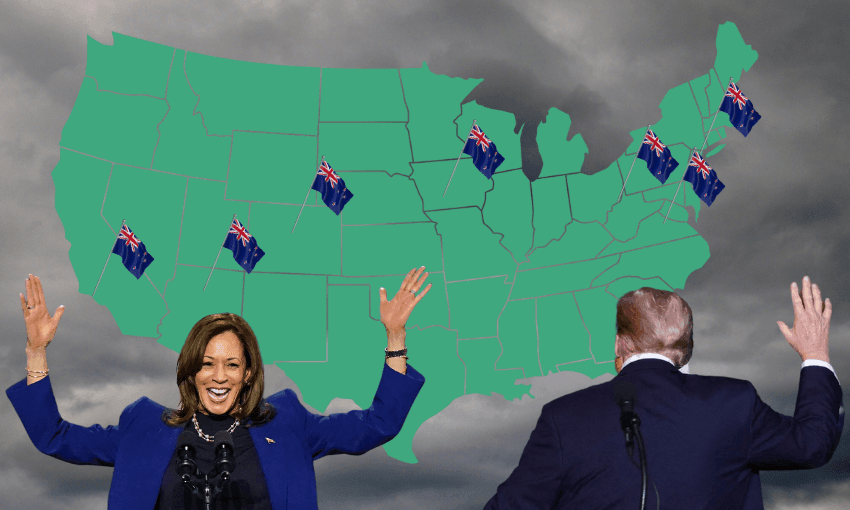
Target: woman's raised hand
[[394, 313], [40, 326]]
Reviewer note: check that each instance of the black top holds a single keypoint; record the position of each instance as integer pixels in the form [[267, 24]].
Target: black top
[[247, 487]]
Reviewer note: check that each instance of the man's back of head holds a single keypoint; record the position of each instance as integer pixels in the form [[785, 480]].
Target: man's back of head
[[657, 321]]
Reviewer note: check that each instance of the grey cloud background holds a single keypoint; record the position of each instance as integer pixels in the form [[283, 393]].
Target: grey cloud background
[[782, 215]]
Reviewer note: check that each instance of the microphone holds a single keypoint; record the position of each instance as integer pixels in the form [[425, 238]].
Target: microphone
[[624, 395], [185, 456], [224, 461]]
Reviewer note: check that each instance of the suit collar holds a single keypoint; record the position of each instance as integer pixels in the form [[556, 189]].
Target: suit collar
[[647, 355], [648, 363]]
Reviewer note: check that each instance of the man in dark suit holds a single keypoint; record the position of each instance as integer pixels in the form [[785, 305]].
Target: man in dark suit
[[706, 438]]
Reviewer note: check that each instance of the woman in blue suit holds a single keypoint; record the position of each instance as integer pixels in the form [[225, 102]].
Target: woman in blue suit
[[220, 379]]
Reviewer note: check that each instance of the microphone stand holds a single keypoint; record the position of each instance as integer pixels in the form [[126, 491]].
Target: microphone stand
[[624, 395], [209, 491], [634, 423], [224, 465]]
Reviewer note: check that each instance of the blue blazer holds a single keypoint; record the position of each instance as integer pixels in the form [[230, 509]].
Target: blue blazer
[[706, 440], [141, 446]]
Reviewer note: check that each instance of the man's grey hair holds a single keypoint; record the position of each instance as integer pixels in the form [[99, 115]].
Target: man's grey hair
[[659, 321]]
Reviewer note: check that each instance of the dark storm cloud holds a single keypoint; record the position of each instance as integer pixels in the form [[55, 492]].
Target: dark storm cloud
[[36, 41]]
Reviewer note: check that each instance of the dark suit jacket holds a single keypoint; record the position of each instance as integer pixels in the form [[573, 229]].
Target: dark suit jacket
[[140, 447], [706, 439]]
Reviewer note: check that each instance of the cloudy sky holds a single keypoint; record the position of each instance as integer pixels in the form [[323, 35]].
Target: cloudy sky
[[783, 214]]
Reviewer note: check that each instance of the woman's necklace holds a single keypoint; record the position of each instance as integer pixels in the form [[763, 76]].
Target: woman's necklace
[[206, 437]]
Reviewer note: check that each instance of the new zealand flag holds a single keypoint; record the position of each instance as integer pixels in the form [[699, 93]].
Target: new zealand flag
[[485, 157], [244, 246], [334, 193], [134, 255], [742, 113], [658, 159], [703, 178]]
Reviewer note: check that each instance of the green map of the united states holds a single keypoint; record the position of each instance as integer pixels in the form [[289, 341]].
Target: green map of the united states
[[525, 275]]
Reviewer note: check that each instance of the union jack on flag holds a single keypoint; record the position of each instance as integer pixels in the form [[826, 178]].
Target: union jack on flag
[[488, 158], [654, 143], [699, 163], [659, 160], [703, 178], [246, 254], [240, 231], [328, 173], [132, 251], [334, 197], [745, 116], [737, 96], [480, 138], [129, 238]]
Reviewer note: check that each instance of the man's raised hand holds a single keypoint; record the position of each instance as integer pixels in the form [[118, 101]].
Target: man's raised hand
[[810, 334]]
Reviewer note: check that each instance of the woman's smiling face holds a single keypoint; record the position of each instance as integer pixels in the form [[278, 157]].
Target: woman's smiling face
[[220, 379]]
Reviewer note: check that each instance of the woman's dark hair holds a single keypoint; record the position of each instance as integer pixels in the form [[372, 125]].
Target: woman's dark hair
[[251, 405], [659, 321]]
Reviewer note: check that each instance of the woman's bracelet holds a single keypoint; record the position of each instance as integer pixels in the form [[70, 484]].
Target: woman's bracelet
[[38, 373], [395, 354]]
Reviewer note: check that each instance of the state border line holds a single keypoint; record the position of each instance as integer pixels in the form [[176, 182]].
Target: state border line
[[441, 160], [300, 274], [376, 224], [610, 254], [195, 108], [165, 116], [266, 133], [103, 204], [137, 167], [593, 287], [179, 237], [407, 127], [533, 228], [363, 122], [479, 278], [98, 89], [537, 335]]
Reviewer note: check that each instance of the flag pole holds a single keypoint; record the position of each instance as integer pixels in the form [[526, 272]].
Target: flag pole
[[107, 261], [712, 121], [458, 159], [633, 164], [677, 190], [305, 199], [219, 253]]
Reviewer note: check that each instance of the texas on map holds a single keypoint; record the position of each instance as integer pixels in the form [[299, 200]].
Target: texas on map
[[525, 275]]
